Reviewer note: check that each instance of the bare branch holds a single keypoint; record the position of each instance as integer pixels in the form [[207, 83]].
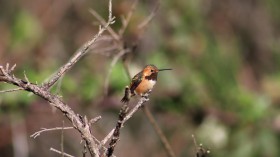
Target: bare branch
[[13, 68], [116, 134], [94, 120], [81, 123], [56, 101], [4, 72], [8, 68], [62, 153], [81, 52], [102, 21], [38, 133], [127, 117]]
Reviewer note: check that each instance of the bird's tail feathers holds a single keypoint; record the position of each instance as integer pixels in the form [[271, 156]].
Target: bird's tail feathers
[[126, 96]]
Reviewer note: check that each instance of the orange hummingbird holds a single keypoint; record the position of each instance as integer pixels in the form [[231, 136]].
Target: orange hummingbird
[[142, 83]]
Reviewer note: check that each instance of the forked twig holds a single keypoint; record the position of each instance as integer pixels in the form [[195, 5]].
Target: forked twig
[[54, 100], [103, 22]]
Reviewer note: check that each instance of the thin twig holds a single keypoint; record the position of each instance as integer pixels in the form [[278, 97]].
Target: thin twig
[[25, 77], [38, 133], [11, 90], [162, 137], [103, 22], [149, 18], [62, 153], [94, 120]]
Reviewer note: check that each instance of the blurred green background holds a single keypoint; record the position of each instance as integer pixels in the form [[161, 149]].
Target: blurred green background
[[224, 87]]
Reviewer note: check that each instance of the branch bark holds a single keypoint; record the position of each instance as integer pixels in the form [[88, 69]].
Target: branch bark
[[81, 124], [116, 134], [55, 101]]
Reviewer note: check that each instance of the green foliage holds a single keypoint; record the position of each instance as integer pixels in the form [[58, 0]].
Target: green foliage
[[90, 87], [26, 30]]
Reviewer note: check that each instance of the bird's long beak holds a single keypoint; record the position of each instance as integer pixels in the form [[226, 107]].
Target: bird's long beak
[[163, 69]]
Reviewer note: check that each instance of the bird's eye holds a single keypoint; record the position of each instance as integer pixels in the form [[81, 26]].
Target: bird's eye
[[152, 70]]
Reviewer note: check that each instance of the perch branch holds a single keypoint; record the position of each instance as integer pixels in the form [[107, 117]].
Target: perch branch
[[116, 133], [127, 117]]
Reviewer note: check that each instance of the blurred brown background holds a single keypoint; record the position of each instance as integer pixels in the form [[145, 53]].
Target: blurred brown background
[[224, 87]]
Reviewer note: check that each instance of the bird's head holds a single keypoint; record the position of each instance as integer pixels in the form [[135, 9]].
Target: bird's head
[[151, 70]]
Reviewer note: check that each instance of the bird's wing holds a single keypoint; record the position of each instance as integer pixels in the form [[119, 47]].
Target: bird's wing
[[136, 80]]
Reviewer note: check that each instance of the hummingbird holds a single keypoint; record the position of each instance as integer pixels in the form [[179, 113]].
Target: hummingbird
[[142, 83]]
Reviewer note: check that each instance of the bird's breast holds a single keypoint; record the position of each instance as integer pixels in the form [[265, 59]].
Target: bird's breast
[[145, 86]]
